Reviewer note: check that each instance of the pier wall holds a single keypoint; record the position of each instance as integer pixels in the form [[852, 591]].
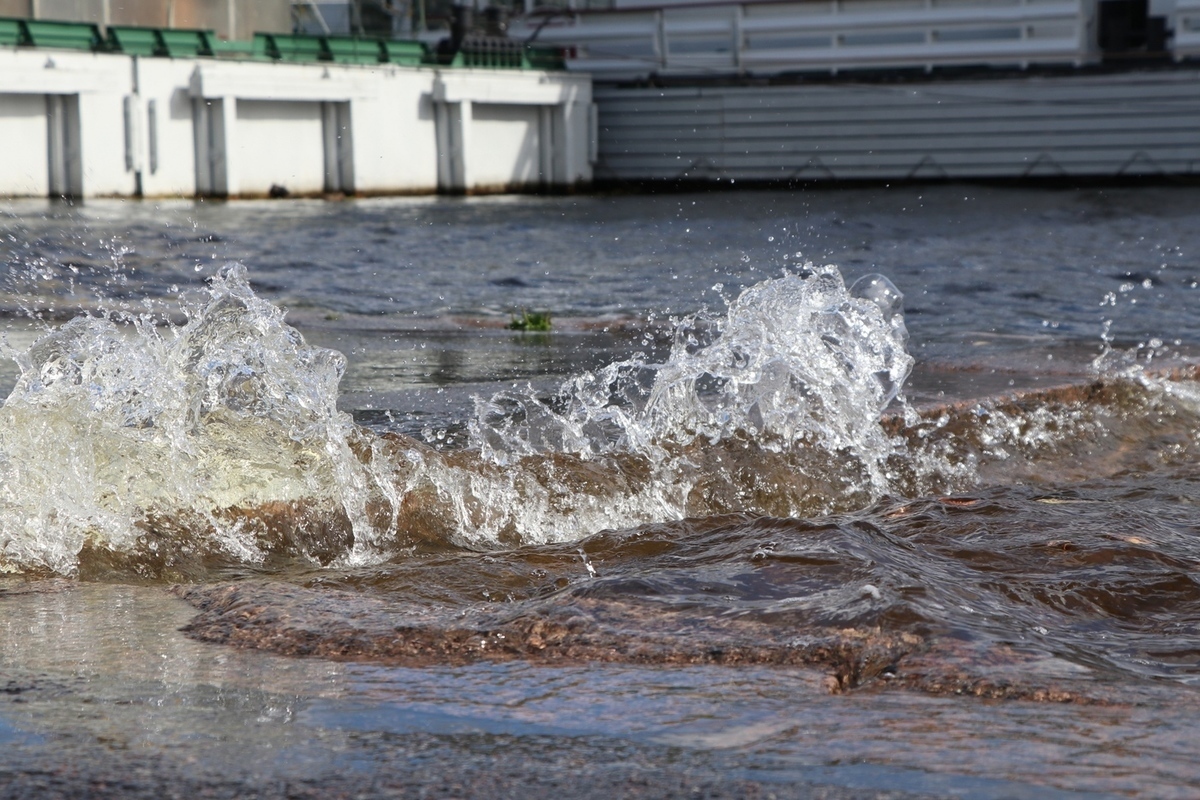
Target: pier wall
[[98, 124]]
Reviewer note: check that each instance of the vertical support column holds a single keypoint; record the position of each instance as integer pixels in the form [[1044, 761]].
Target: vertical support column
[[339, 147], [224, 154], [466, 115], [56, 146], [445, 156], [931, 37], [134, 145], [573, 137], [739, 38], [346, 147], [575, 123], [546, 146], [660, 39], [133, 140], [329, 135], [63, 146], [201, 128], [593, 134], [566, 143], [835, 37], [453, 123], [152, 134], [73, 139], [213, 123], [231, 19]]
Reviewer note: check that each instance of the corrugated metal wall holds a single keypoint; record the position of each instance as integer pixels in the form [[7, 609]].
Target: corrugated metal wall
[[1084, 125]]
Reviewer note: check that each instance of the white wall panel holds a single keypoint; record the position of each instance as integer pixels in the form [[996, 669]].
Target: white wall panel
[[505, 146], [168, 151], [24, 170], [98, 85], [279, 143], [395, 136], [163, 127]]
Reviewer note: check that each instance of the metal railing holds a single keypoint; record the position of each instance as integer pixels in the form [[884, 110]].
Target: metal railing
[[164, 42], [1186, 39], [825, 36]]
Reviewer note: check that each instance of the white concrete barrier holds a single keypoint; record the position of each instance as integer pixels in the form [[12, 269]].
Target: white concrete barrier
[[45, 99], [86, 125]]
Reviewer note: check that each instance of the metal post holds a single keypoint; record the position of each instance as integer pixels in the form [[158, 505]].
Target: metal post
[[546, 147], [56, 147], [333, 176], [660, 39], [462, 146], [345, 148], [739, 40], [203, 152], [152, 134], [315, 10], [63, 146]]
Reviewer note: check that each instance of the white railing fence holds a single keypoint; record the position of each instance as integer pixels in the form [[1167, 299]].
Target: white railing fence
[[749, 38], [1186, 39]]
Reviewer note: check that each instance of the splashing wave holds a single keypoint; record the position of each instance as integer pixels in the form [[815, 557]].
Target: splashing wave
[[168, 452]]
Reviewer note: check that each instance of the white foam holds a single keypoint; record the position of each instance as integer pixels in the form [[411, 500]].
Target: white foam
[[772, 408]]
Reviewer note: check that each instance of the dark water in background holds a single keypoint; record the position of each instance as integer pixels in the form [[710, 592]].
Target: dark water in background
[[681, 592]]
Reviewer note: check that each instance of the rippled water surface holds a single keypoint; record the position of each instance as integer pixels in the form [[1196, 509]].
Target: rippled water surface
[[870, 493]]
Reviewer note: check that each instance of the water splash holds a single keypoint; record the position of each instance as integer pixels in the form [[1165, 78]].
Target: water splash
[[112, 430], [168, 449], [773, 408], [796, 360]]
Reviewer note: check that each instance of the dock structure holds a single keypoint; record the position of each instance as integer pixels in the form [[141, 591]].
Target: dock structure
[[622, 40], [797, 91], [1046, 128], [133, 112], [629, 40], [583, 92]]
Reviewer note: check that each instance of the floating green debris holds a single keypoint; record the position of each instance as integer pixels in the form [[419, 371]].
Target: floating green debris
[[530, 321]]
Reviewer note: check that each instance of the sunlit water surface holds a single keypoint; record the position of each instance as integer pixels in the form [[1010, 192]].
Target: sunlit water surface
[[736, 446]]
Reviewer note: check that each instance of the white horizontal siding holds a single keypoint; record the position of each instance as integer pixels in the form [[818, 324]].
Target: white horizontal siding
[[1133, 123]]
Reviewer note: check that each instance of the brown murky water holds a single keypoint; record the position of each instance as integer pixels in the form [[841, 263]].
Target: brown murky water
[[731, 566]]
